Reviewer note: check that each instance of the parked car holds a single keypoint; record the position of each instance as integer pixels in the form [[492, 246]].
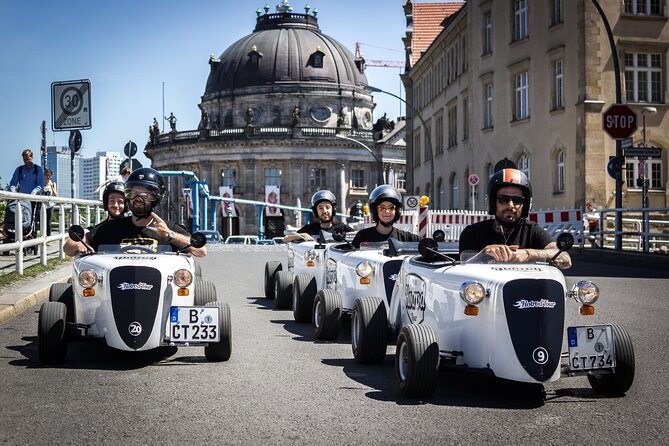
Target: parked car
[[212, 236], [279, 240], [242, 240], [266, 242]]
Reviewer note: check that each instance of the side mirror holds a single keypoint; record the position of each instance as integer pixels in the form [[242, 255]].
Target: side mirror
[[439, 236], [198, 240], [339, 234], [76, 233], [564, 241], [428, 248]]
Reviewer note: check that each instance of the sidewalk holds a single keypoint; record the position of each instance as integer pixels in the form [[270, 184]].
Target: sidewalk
[[18, 298]]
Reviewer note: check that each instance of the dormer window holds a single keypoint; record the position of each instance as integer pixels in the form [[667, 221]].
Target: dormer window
[[254, 56], [316, 59]]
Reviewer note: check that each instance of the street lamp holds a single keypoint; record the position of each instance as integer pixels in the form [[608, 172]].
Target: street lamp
[[642, 162], [379, 163], [428, 136]]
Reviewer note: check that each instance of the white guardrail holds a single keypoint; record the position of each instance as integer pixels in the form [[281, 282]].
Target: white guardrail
[[66, 212]]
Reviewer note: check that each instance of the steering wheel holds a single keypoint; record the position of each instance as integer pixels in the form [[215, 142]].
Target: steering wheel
[[140, 248]]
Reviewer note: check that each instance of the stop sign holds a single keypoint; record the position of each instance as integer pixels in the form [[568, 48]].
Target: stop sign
[[619, 121]]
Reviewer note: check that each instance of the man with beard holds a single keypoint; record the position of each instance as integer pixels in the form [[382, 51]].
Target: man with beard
[[324, 207], [385, 205], [510, 236], [144, 189]]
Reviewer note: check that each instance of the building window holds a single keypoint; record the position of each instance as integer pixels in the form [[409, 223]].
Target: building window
[[643, 7], [254, 56], [454, 192], [559, 174], [556, 12], [643, 77], [463, 53], [357, 178], [452, 126], [272, 177], [428, 143], [316, 179], [653, 173], [441, 203], [487, 33], [522, 96], [519, 19], [228, 177], [524, 165], [439, 134], [488, 174], [558, 84], [416, 149], [400, 180], [465, 118], [316, 59], [488, 122]]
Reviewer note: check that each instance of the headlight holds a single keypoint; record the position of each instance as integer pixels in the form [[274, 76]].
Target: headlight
[[310, 255], [182, 278], [88, 278], [364, 269], [585, 292], [472, 292]]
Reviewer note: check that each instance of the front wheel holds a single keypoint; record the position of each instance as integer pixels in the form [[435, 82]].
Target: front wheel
[[283, 290], [620, 381], [62, 292], [304, 292], [51, 343], [417, 361], [369, 331], [221, 350], [326, 319]]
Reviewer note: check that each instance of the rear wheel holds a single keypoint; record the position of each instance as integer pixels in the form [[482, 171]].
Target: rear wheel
[[62, 292], [369, 331], [271, 268], [304, 292], [205, 292], [620, 381], [221, 350], [283, 290], [326, 318], [51, 343], [417, 361]]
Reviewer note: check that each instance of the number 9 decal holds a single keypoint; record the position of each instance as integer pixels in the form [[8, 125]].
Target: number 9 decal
[[540, 355]]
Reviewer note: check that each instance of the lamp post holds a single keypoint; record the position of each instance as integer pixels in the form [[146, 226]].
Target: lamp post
[[379, 163], [644, 182], [428, 137]]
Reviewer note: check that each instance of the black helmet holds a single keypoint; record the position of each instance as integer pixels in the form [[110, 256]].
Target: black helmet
[[114, 186], [509, 177], [323, 195], [382, 193], [149, 179]]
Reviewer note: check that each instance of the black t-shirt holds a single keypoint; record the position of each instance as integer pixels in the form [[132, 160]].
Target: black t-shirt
[[315, 228], [372, 235], [113, 232], [526, 234]]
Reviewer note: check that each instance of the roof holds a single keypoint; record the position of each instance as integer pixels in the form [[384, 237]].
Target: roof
[[427, 24]]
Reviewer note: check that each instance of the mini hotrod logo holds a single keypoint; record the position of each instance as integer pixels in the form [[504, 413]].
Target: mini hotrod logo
[[414, 294], [543, 303], [134, 286]]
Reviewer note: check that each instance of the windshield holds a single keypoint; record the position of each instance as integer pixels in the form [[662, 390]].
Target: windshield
[[373, 246], [133, 249]]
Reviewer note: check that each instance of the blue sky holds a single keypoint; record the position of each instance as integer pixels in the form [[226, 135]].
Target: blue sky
[[128, 48]]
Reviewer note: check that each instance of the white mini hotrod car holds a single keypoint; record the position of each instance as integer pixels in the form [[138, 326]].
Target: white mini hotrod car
[[505, 319], [135, 297]]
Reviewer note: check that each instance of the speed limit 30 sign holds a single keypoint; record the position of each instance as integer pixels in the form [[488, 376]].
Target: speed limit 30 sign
[[71, 105]]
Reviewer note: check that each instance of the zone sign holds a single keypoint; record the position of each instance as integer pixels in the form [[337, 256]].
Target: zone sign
[[71, 105], [619, 121]]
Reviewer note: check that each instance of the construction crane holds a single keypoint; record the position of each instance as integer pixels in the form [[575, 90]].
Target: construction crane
[[361, 61]]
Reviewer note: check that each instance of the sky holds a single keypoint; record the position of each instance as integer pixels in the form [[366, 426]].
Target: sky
[[129, 48]]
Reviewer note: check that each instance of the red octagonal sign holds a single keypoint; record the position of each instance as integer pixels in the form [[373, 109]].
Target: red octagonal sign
[[619, 121]]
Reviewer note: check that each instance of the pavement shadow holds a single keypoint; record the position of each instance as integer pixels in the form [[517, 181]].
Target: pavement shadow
[[592, 268], [456, 387]]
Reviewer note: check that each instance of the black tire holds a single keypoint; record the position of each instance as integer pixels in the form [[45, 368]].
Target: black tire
[[62, 292], [205, 292], [417, 361], [283, 290], [221, 350], [304, 292], [271, 268], [369, 330], [51, 342], [620, 381], [198, 270], [326, 315]]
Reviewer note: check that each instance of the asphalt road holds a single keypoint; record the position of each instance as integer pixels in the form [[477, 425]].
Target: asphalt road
[[283, 387]]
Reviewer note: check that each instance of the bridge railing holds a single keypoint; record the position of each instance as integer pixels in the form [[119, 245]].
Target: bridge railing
[[643, 229]]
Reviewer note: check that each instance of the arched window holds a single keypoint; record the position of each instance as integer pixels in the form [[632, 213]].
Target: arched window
[[467, 191], [441, 203], [559, 172], [454, 192], [524, 164]]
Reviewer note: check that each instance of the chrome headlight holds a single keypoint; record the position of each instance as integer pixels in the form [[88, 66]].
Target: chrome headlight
[[472, 292], [88, 278], [364, 269], [585, 292], [182, 278], [310, 255]]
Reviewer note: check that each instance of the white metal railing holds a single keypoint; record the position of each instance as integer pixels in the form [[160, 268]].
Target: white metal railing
[[643, 229], [68, 211]]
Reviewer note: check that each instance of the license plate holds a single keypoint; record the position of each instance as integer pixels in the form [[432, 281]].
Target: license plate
[[591, 347], [194, 324]]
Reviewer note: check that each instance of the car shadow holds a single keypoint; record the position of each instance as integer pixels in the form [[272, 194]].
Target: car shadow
[[82, 354], [262, 302], [455, 388], [304, 331], [590, 269]]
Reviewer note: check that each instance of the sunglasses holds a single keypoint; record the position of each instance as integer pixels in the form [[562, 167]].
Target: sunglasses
[[386, 208], [146, 196], [505, 199]]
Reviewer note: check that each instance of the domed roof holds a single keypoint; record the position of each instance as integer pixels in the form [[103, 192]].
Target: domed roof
[[285, 48]]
